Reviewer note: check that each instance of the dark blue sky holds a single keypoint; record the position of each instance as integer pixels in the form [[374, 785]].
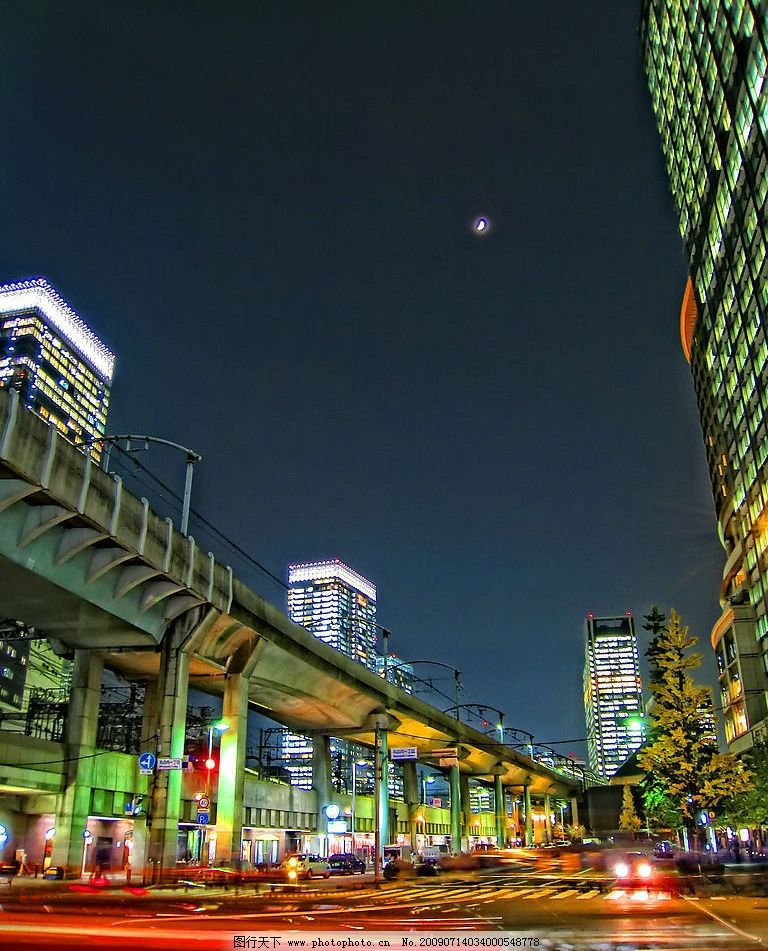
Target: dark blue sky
[[264, 210]]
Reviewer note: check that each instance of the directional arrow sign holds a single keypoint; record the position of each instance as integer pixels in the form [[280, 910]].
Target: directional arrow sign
[[147, 761]]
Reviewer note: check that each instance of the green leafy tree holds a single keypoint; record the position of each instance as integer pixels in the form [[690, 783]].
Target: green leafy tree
[[685, 773], [629, 821]]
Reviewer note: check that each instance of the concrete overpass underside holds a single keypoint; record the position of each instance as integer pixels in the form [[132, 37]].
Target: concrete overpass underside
[[92, 566]]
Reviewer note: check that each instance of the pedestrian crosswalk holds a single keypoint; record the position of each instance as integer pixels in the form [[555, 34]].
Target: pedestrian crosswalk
[[474, 895]]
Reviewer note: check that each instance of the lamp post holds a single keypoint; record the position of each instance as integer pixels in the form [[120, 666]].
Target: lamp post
[[424, 781], [221, 726], [355, 764]]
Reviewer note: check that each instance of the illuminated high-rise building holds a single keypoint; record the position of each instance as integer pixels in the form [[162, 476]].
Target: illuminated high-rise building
[[338, 606], [613, 692], [60, 368], [706, 62]]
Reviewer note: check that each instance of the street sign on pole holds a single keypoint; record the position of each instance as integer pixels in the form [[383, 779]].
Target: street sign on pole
[[147, 761], [203, 803], [449, 751], [169, 762], [404, 752], [447, 761], [203, 818]]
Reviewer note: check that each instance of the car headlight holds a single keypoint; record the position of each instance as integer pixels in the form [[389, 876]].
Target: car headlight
[[644, 870], [292, 874], [621, 870], [292, 863]]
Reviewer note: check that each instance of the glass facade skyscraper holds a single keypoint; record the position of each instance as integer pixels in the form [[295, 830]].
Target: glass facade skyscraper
[[60, 368], [338, 606], [706, 63], [613, 692]]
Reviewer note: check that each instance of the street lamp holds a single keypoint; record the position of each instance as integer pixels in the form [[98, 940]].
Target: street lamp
[[424, 781], [355, 764], [221, 726]]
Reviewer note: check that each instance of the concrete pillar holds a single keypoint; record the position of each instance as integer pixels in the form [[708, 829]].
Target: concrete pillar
[[384, 790], [411, 795], [321, 781], [574, 811], [500, 808], [231, 786], [547, 819], [173, 682], [528, 816], [455, 809], [74, 803]]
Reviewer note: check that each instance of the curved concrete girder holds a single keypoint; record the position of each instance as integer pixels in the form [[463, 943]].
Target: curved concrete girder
[[132, 576], [40, 519], [177, 605], [157, 591], [244, 658], [14, 490], [103, 560], [298, 709], [74, 540], [224, 637]]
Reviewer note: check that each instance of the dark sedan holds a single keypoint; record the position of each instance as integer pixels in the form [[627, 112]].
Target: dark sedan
[[345, 864]]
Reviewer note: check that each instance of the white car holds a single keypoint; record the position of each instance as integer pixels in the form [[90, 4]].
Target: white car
[[305, 865]]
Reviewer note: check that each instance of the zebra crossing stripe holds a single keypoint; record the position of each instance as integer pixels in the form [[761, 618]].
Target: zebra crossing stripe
[[568, 893], [589, 894]]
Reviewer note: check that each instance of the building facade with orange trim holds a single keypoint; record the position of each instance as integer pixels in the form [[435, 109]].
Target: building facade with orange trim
[[706, 62]]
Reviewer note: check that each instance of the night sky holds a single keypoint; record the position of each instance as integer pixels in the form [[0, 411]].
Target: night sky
[[265, 210]]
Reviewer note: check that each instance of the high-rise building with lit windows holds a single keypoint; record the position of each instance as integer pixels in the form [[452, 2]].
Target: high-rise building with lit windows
[[706, 62], [613, 692], [60, 368], [338, 606]]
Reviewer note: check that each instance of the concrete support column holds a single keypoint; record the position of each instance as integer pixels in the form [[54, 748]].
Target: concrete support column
[[500, 808], [80, 742], [384, 790], [231, 787], [574, 811], [321, 780], [453, 777], [547, 819], [528, 816], [171, 731], [411, 795]]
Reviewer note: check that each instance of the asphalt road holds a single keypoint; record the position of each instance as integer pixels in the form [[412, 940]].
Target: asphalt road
[[571, 912]]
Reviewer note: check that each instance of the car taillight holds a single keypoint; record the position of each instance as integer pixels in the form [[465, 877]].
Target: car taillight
[[621, 870], [644, 870]]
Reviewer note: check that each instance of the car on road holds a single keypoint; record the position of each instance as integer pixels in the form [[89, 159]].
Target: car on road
[[305, 865], [344, 863], [632, 869]]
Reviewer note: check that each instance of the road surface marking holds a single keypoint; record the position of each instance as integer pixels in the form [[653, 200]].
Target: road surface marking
[[568, 893], [722, 921], [589, 894]]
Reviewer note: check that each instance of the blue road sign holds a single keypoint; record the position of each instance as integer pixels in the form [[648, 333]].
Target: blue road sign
[[203, 818], [147, 761]]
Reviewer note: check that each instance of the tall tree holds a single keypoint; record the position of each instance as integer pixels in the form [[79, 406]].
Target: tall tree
[[750, 809], [655, 623], [685, 773], [629, 821]]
